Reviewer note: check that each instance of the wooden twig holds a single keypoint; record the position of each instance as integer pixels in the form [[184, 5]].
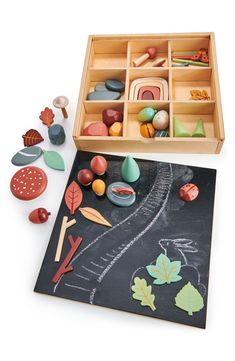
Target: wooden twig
[[64, 226], [64, 268]]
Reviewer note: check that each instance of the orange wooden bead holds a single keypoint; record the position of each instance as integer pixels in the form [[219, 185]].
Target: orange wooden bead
[[147, 130]]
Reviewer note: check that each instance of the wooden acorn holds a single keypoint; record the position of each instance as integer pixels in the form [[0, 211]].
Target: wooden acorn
[[39, 215], [85, 177], [150, 54]]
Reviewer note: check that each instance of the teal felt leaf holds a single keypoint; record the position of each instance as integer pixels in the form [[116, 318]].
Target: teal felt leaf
[[189, 299], [164, 271], [53, 160]]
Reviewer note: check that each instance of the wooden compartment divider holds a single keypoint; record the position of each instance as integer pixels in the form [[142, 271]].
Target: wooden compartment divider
[[111, 57]]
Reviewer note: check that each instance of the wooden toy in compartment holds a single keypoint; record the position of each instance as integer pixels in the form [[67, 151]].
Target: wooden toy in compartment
[[111, 57]]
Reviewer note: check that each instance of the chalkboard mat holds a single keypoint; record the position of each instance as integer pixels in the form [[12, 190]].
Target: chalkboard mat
[[109, 259]]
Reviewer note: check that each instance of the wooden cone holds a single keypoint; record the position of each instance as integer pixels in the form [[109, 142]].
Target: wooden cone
[[199, 131], [179, 129]]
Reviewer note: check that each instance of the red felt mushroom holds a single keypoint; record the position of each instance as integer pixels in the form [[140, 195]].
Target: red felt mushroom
[[151, 53]]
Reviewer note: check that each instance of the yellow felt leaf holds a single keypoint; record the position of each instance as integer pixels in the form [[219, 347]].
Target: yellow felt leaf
[[94, 216]]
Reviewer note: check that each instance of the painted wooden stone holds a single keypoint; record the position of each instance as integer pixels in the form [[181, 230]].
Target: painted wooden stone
[[130, 170], [26, 156], [189, 192], [100, 87], [115, 85], [32, 137], [103, 95], [28, 183], [121, 194], [96, 129], [111, 116], [56, 134], [161, 134], [146, 114], [161, 120]]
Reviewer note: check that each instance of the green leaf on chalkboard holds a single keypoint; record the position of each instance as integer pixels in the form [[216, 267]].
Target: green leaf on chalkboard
[[143, 293], [189, 299], [53, 160], [164, 270]]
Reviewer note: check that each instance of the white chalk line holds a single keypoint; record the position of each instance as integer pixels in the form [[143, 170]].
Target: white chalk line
[[77, 287]]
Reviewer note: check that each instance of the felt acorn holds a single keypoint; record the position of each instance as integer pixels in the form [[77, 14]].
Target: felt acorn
[[39, 215]]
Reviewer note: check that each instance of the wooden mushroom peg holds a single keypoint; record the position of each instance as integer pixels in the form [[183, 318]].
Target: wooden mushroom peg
[[150, 54], [61, 102]]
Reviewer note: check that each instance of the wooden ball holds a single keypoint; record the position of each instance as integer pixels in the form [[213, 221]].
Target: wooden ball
[[188, 192], [147, 130], [99, 165], [85, 177], [161, 120]]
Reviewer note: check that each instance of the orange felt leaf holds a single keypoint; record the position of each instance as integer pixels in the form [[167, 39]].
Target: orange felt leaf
[[47, 116], [73, 197], [94, 216]]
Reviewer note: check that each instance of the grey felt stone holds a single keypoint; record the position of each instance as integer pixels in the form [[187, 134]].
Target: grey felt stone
[[100, 87], [115, 85], [101, 95], [125, 200], [56, 134], [26, 156]]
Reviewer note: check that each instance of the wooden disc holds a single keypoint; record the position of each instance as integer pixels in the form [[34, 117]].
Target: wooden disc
[[28, 183]]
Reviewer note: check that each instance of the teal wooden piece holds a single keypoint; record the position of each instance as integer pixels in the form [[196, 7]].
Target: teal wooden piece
[[146, 114], [26, 156], [53, 160], [130, 171]]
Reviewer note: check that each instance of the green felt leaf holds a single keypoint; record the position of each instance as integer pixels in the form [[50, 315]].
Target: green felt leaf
[[143, 293], [189, 299], [53, 160], [164, 271]]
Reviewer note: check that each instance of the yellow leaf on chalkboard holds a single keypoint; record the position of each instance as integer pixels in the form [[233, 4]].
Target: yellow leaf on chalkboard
[[143, 293], [94, 216]]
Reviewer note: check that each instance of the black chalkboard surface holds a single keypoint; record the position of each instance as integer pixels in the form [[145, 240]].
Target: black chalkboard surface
[[108, 259]]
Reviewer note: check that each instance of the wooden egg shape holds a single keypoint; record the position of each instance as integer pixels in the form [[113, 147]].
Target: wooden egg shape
[[161, 120], [99, 164], [147, 130], [39, 215], [146, 114], [98, 187], [85, 177]]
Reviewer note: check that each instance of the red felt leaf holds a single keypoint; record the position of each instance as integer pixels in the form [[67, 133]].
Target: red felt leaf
[[73, 197], [47, 117], [32, 137]]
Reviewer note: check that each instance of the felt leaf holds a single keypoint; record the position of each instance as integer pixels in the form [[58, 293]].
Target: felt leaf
[[143, 293], [32, 137], [73, 197], [47, 117], [53, 159], [26, 156], [164, 271], [189, 299], [94, 216]]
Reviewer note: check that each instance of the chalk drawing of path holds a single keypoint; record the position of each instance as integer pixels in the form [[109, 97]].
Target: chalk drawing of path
[[95, 261]]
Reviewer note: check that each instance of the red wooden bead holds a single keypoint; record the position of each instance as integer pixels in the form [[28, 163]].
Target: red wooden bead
[[188, 192], [85, 177], [39, 215]]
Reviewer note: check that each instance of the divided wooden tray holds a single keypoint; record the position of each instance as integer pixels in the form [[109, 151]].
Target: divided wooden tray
[[111, 57]]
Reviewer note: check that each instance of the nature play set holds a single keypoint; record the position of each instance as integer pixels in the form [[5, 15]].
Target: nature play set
[[132, 234]]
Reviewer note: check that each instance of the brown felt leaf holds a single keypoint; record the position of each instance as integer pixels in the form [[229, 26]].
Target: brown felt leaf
[[73, 197], [94, 216], [47, 117], [32, 137]]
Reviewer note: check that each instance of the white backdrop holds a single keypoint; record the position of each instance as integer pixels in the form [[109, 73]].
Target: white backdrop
[[42, 53]]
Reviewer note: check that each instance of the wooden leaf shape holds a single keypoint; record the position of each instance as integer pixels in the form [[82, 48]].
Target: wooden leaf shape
[[26, 156], [32, 137], [73, 197], [164, 271], [47, 116], [143, 293], [53, 160], [94, 216], [189, 299]]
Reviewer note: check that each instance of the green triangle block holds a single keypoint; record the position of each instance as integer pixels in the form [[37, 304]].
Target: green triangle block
[[199, 131], [179, 129], [130, 171]]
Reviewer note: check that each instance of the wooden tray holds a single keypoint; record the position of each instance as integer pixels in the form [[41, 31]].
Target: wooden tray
[[111, 57]]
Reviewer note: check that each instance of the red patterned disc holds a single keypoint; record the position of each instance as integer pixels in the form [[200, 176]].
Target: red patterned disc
[[28, 183], [188, 192]]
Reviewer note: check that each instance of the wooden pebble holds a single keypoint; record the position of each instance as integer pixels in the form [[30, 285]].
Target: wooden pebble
[[189, 192], [28, 183], [98, 187], [161, 134], [116, 129], [96, 129], [147, 130], [100, 87], [26, 156], [161, 120], [56, 134], [103, 95], [115, 85], [121, 199], [111, 116]]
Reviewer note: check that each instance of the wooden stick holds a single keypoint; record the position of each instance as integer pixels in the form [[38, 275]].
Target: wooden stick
[[141, 59], [65, 114], [64, 268], [158, 62], [65, 224]]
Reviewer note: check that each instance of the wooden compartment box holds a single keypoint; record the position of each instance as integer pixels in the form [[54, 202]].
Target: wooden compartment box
[[111, 57]]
